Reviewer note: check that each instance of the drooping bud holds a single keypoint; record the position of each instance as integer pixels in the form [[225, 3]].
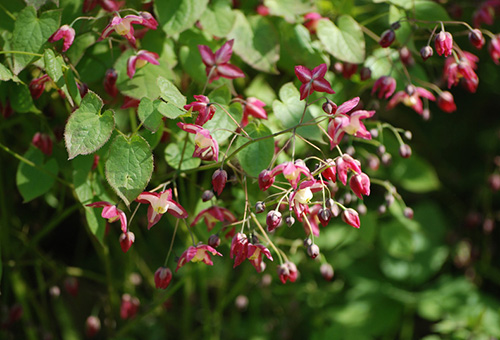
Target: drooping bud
[[126, 240], [43, 142], [92, 326], [307, 242], [129, 306], [385, 86], [405, 150], [351, 217], [37, 86], [71, 285], [326, 271], [365, 73], [348, 69], [445, 102], [362, 209], [207, 195], [408, 135], [324, 216], [382, 209], [405, 56], [387, 38], [289, 220], [273, 220], [110, 82], [444, 43], [395, 25], [408, 213], [426, 52], [476, 38], [214, 241], [163, 276], [410, 89], [288, 271], [334, 208], [494, 182], [313, 251], [329, 107], [219, 179], [386, 159], [66, 33], [265, 180]]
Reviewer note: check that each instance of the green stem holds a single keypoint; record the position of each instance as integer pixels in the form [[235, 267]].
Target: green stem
[[22, 52], [267, 237]]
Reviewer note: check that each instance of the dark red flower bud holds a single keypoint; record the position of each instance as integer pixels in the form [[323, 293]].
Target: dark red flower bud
[[289, 220], [365, 73], [219, 179], [110, 82], [446, 103], [37, 86], [395, 25], [43, 142], [129, 306], [405, 150], [273, 220], [71, 285], [476, 38], [348, 70], [426, 52], [207, 195], [92, 326], [313, 251], [265, 180], [405, 56], [326, 271], [324, 216], [387, 38], [329, 107], [126, 240], [163, 276], [214, 241], [260, 207]]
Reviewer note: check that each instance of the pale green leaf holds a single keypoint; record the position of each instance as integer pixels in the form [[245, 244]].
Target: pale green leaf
[[150, 117], [170, 93], [177, 16], [218, 19], [173, 153], [221, 125], [289, 9], [169, 110], [54, 68], [5, 73], [256, 156]]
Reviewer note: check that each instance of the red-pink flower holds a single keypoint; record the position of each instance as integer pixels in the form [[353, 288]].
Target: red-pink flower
[[348, 123], [292, 171], [446, 103], [266, 179], [414, 100], [312, 223], [126, 240], [159, 204], [344, 164], [464, 68], [92, 326], [163, 276], [219, 179], [360, 184], [217, 65], [66, 33], [107, 5], [205, 146], [110, 82], [330, 172], [311, 21], [351, 217], [254, 255], [129, 102], [139, 60], [385, 86], [273, 220], [111, 212], [205, 111], [123, 26], [313, 80], [300, 198], [494, 49], [253, 107], [387, 38], [129, 306], [37, 86], [476, 38], [200, 253], [239, 249], [288, 271], [43, 142], [262, 10], [213, 215], [444, 43]]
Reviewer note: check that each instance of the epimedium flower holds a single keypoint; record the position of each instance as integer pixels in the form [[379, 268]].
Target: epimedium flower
[[213, 215], [219, 179], [126, 240], [123, 26], [206, 147], [217, 64], [412, 99], [43, 142], [299, 199], [66, 33], [139, 60], [445, 102], [205, 111], [463, 69], [163, 276], [344, 164], [266, 179], [273, 220], [288, 272], [159, 204], [129, 306], [239, 249], [292, 171], [253, 107], [351, 217], [254, 255], [444, 43], [109, 82], [311, 21], [360, 184], [200, 253], [312, 223], [387, 38], [107, 5], [313, 80], [494, 49], [37, 86], [476, 38], [385, 86], [111, 213], [348, 123]]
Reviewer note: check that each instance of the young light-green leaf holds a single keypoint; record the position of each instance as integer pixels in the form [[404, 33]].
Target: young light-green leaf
[[170, 93], [256, 156], [177, 16], [345, 41], [150, 117], [87, 129], [221, 124], [218, 19], [129, 166], [173, 153], [33, 182], [54, 68], [31, 33]]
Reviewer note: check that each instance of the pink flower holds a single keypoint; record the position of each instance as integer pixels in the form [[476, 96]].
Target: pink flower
[[213, 215], [312, 221], [266, 179], [262, 10], [350, 124], [346, 163], [446, 103], [219, 179], [123, 26], [43, 142], [444, 43], [217, 65], [360, 185], [110, 82], [200, 253], [300, 198], [351, 217], [313, 80], [465, 67], [330, 172], [126, 240], [476, 38], [311, 21], [205, 111], [484, 14], [139, 60], [71, 285], [37, 86], [66, 33], [112, 213], [206, 147], [253, 107], [292, 171], [160, 203], [411, 100], [288, 271], [92, 326], [239, 249], [273, 220], [129, 306], [129, 102], [163, 276], [385, 86], [494, 49], [254, 255]]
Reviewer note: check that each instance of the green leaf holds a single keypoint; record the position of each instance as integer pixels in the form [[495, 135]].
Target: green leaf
[[289, 111], [256, 157], [173, 153], [32, 181], [72, 86], [5, 73], [170, 93], [152, 138], [150, 117], [87, 129], [31, 33], [218, 19], [221, 95], [79, 46], [288, 9], [36, 3], [256, 42], [221, 124], [345, 41], [54, 68], [415, 174], [169, 110], [177, 16], [430, 11], [129, 166], [20, 98]]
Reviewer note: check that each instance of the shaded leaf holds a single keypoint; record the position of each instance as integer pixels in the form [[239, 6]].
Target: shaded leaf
[[256, 156], [173, 153], [218, 19], [150, 117]]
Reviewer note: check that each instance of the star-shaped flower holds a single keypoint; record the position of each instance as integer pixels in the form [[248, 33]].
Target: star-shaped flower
[[112, 213], [213, 215], [313, 80], [217, 64], [200, 253], [206, 147], [139, 60], [160, 203]]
